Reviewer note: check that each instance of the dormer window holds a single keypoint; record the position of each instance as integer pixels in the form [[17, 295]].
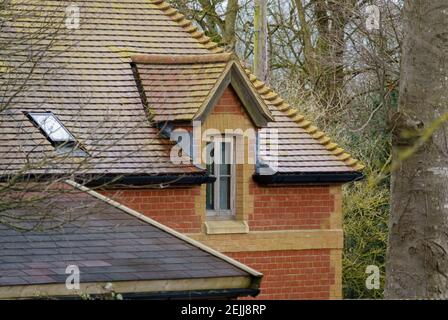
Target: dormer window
[[58, 135], [220, 195]]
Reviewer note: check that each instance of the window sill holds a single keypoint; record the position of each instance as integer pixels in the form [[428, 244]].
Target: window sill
[[226, 227]]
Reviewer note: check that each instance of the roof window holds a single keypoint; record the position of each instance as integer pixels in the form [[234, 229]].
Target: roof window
[[58, 135]]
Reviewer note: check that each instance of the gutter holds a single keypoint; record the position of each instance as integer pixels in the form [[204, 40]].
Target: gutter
[[191, 295], [305, 178], [178, 295], [120, 180], [145, 180], [194, 288], [98, 180]]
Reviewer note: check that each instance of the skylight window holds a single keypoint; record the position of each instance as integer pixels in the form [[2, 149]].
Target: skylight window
[[52, 128], [56, 133]]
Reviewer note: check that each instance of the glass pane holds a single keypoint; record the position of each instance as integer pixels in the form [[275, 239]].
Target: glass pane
[[224, 193], [210, 169], [210, 196], [52, 127], [225, 158], [210, 188], [224, 169], [210, 154]]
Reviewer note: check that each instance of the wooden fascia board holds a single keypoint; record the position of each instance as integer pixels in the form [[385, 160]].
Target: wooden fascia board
[[247, 94], [124, 287], [215, 94], [235, 76]]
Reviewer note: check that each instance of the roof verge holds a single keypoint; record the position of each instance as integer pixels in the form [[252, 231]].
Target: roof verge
[[235, 76], [257, 275]]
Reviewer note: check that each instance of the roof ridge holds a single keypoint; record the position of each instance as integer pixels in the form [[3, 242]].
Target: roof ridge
[[181, 59], [272, 97], [187, 25]]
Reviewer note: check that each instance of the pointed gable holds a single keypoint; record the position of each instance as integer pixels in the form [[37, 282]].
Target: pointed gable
[[185, 88]]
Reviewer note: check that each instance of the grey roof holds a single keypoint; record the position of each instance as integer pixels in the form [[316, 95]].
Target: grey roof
[[106, 243]]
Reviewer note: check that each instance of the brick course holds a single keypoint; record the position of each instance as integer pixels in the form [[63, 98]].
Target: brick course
[[291, 274], [229, 103], [290, 207], [174, 207]]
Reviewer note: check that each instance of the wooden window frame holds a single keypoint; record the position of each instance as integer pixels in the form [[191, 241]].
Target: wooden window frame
[[217, 213]]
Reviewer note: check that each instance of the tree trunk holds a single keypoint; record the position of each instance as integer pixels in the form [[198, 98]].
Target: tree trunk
[[229, 36], [212, 23], [324, 57], [417, 260], [308, 49], [261, 40], [334, 77]]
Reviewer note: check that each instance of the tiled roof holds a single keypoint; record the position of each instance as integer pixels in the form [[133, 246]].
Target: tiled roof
[[306, 149], [86, 80], [302, 146], [107, 244], [176, 87], [185, 88]]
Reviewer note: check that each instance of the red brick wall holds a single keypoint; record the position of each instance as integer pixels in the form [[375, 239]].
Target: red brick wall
[[288, 274], [290, 207], [229, 103], [304, 274], [174, 207]]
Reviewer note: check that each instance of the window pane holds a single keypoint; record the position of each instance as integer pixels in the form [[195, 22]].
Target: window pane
[[210, 169], [210, 196], [210, 153], [224, 193], [224, 169], [225, 158], [210, 188], [54, 130]]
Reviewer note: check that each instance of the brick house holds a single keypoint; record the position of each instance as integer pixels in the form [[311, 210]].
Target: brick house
[[255, 181]]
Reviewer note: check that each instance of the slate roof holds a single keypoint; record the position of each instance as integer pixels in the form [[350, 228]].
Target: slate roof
[[87, 81], [107, 243]]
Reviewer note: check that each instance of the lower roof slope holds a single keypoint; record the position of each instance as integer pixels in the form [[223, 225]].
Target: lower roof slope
[[108, 244]]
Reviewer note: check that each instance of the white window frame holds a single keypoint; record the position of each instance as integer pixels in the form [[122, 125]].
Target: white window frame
[[217, 212], [65, 145], [41, 118]]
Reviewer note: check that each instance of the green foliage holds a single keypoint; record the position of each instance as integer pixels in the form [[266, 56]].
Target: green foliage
[[365, 209], [366, 203], [112, 295]]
